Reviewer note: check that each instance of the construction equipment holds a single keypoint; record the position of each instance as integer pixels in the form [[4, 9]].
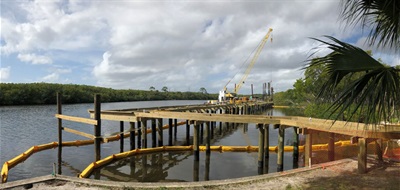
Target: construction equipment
[[224, 94]]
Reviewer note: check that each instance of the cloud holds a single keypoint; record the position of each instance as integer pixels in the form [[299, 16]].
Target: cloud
[[35, 59], [181, 45], [4, 73]]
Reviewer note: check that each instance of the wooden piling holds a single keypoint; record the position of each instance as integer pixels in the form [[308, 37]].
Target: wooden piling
[[170, 132], [196, 142], [207, 170], [308, 148], [201, 132], [378, 149], [362, 156], [208, 137], [97, 128], [59, 111], [121, 136], [196, 166], [144, 134], [153, 133], [295, 147], [175, 128], [160, 132], [139, 140], [187, 133], [281, 147], [132, 135], [260, 147], [266, 142], [331, 147]]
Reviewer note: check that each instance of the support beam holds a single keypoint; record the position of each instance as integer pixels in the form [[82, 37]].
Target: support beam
[[187, 133], [331, 147], [175, 128], [266, 142], [362, 156], [308, 149], [260, 148], [196, 142], [59, 111], [160, 132], [97, 128], [295, 147], [170, 123], [281, 144], [139, 140], [378, 149], [144, 132], [132, 135], [208, 137], [153, 133], [121, 136]]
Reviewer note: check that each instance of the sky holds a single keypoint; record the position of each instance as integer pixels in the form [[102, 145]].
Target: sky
[[183, 45]]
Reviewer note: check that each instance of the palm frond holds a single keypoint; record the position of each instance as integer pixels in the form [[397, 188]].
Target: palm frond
[[373, 97], [382, 16]]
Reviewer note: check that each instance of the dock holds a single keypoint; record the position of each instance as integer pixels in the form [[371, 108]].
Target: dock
[[144, 121]]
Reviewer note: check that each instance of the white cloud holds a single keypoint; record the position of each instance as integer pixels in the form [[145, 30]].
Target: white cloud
[[4, 73], [35, 59], [180, 45], [53, 77]]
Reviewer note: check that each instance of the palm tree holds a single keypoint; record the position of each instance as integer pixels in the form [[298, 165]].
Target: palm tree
[[374, 96]]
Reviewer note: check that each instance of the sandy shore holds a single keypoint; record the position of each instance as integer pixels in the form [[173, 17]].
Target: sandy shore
[[340, 174]]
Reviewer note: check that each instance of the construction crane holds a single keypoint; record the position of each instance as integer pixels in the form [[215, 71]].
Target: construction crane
[[225, 94]]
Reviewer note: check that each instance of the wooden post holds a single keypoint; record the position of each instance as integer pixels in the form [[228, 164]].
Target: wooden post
[[207, 172], [139, 138], [196, 166], [362, 156], [260, 148], [175, 128], [160, 132], [144, 132], [266, 142], [201, 132], [308, 148], [153, 133], [187, 133], [170, 132], [121, 136], [295, 147], [378, 149], [281, 147], [331, 147], [60, 128], [132, 135], [196, 142], [208, 137], [212, 123], [97, 128]]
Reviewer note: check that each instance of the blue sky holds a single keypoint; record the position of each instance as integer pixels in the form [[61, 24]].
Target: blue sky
[[184, 45]]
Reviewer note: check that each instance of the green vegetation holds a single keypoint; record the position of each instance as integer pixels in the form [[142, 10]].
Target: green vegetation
[[348, 83], [45, 93]]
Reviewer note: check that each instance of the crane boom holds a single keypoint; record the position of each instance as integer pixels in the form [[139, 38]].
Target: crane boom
[[253, 61]]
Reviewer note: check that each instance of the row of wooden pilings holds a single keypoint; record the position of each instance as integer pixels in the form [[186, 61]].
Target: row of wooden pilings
[[140, 129]]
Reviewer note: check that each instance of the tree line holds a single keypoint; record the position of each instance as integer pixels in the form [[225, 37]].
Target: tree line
[[45, 93]]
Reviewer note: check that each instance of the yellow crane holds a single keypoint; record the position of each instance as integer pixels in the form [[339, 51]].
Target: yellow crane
[[224, 94]]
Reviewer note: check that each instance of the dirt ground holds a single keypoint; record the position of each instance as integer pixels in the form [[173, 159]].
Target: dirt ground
[[380, 175]]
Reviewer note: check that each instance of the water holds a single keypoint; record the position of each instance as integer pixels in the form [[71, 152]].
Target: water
[[24, 126]]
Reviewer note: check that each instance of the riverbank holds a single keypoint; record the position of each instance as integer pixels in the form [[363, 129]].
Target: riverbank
[[341, 174]]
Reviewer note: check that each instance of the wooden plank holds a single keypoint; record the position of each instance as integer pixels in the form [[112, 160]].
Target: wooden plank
[[77, 119], [80, 133]]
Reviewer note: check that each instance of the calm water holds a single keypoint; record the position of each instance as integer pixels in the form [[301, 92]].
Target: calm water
[[24, 126]]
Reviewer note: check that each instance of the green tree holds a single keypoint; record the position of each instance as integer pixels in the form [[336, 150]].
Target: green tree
[[375, 95], [152, 88], [203, 90], [164, 89]]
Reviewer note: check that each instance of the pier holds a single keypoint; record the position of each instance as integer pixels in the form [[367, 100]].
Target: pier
[[148, 123]]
